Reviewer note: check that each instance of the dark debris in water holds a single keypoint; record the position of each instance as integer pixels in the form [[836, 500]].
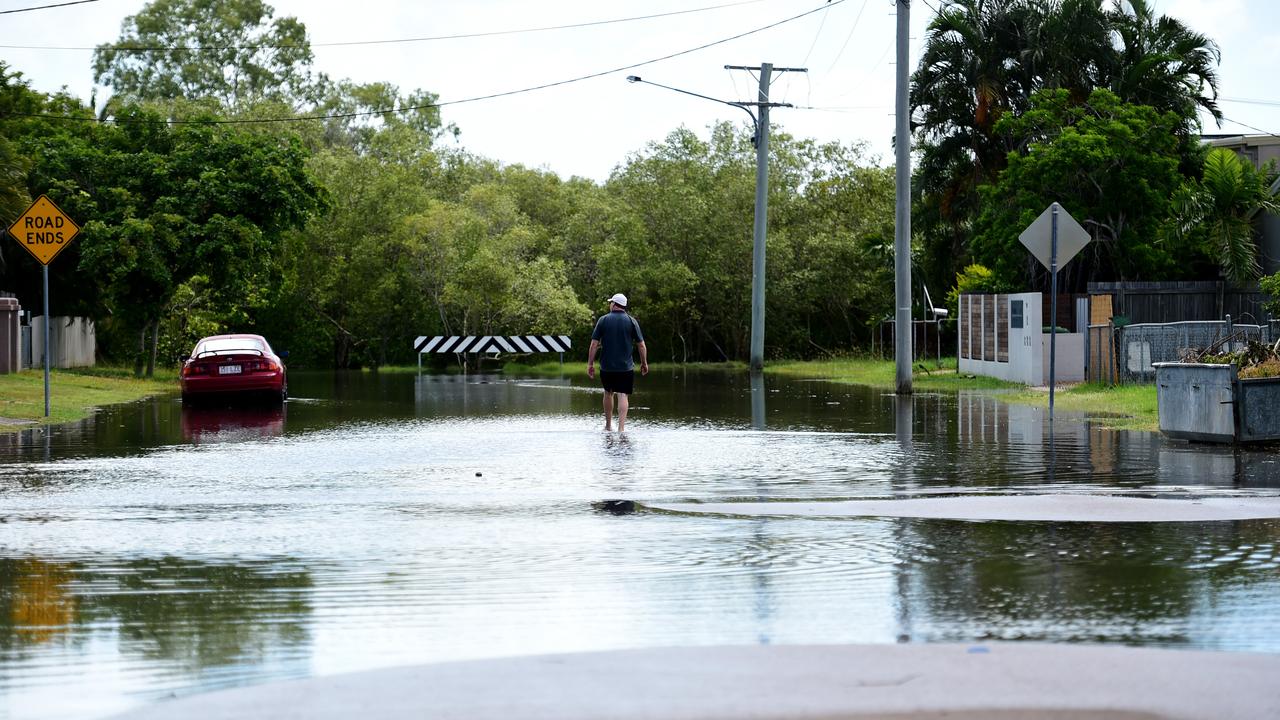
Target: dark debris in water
[[615, 507]]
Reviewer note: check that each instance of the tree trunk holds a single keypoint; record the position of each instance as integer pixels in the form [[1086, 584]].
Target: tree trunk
[[142, 351], [155, 348], [341, 350]]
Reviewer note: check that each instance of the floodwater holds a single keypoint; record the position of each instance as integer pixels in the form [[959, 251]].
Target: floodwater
[[156, 551]]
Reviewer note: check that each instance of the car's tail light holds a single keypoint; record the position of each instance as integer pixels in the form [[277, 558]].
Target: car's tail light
[[258, 365], [193, 369]]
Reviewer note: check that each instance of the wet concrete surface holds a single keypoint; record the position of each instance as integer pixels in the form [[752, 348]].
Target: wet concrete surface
[[894, 682]]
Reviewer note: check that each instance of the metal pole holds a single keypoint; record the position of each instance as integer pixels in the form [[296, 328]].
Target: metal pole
[[761, 223], [46, 341], [902, 211], [1053, 312]]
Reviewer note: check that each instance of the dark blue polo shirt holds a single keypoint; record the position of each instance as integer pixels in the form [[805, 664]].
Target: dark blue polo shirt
[[616, 332]]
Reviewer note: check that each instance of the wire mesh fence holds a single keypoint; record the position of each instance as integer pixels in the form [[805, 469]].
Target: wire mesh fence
[[1127, 354]]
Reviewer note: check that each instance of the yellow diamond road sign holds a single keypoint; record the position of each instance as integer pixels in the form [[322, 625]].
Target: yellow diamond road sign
[[43, 230]]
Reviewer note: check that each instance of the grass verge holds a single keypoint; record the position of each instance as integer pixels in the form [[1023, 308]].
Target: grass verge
[[73, 394], [1122, 407], [926, 375]]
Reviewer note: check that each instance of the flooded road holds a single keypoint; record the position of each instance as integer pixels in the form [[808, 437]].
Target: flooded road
[[379, 520]]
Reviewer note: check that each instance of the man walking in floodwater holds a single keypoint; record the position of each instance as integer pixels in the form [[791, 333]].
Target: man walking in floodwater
[[615, 333]]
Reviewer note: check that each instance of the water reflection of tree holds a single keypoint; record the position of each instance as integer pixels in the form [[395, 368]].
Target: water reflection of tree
[[1101, 582], [195, 613], [36, 601]]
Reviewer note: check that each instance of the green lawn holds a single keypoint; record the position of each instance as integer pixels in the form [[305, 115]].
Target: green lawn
[[1131, 407], [1126, 407], [73, 394], [926, 375]]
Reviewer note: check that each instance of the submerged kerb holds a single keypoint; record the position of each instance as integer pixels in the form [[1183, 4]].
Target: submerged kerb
[[1051, 508]]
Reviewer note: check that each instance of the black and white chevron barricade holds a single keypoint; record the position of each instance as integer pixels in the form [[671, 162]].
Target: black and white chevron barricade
[[490, 343]]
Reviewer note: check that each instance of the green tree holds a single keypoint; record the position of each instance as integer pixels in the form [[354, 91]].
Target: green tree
[[1112, 165], [985, 59], [161, 205], [977, 279], [684, 244], [231, 50], [1216, 214], [338, 264], [15, 96], [1160, 62], [1270, 285], [404, 136], [977, 65]]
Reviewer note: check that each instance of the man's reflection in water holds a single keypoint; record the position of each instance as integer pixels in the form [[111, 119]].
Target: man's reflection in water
[[618, 447]]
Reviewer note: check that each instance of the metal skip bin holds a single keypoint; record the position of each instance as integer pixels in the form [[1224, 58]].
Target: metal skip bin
[[1258, 407], [1209, 402]]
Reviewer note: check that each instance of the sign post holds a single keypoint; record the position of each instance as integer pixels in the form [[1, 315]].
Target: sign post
[[1054, 237], [44, 230]]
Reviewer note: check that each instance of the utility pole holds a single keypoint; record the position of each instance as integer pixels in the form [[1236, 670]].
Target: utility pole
[[761, 227], [902, 212]]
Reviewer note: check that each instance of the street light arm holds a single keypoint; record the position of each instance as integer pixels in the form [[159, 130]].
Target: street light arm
[[755, 124]]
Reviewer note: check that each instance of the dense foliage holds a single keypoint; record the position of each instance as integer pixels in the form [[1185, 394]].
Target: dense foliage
[[1112, 165], [225, 186], [988, 63], [342, 239]]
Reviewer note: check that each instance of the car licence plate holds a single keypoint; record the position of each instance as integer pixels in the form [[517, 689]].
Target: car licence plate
[[229, 370]]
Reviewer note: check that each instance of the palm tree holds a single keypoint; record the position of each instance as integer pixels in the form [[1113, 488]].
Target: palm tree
[[967, 78], [970, 74], [1219, 211], [1161, 62]]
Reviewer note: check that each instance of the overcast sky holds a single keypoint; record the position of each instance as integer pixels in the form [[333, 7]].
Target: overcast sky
[[587, 128]]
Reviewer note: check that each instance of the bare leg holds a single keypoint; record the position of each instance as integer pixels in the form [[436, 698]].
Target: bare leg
[[608, 410], [624, 401]]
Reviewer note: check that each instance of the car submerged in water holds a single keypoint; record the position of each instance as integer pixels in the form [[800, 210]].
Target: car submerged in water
[[229, 367]]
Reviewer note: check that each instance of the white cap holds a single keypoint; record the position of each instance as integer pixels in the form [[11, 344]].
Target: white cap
[[619, 299]]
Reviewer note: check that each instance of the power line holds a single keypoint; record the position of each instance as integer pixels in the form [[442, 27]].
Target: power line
[[45, 7], [849, 36], [816, 35], [1250, 101], [430, 38], [845, 109], [1264, 132], [507, 93]]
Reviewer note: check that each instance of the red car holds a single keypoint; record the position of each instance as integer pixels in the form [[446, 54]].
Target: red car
[[232, 366]]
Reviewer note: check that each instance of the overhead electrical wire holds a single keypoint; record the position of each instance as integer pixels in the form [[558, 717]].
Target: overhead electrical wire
[[848, 37], [348, 43], [1264, 132], [478, 98], [45, 7], [1250, 101]]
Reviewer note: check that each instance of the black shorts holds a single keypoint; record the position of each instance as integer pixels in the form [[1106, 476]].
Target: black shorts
[[618, 382]]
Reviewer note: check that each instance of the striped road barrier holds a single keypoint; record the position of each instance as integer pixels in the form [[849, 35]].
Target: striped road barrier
[[490, 344]]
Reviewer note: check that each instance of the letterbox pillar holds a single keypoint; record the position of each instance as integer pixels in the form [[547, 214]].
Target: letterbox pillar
[[10, 336]]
